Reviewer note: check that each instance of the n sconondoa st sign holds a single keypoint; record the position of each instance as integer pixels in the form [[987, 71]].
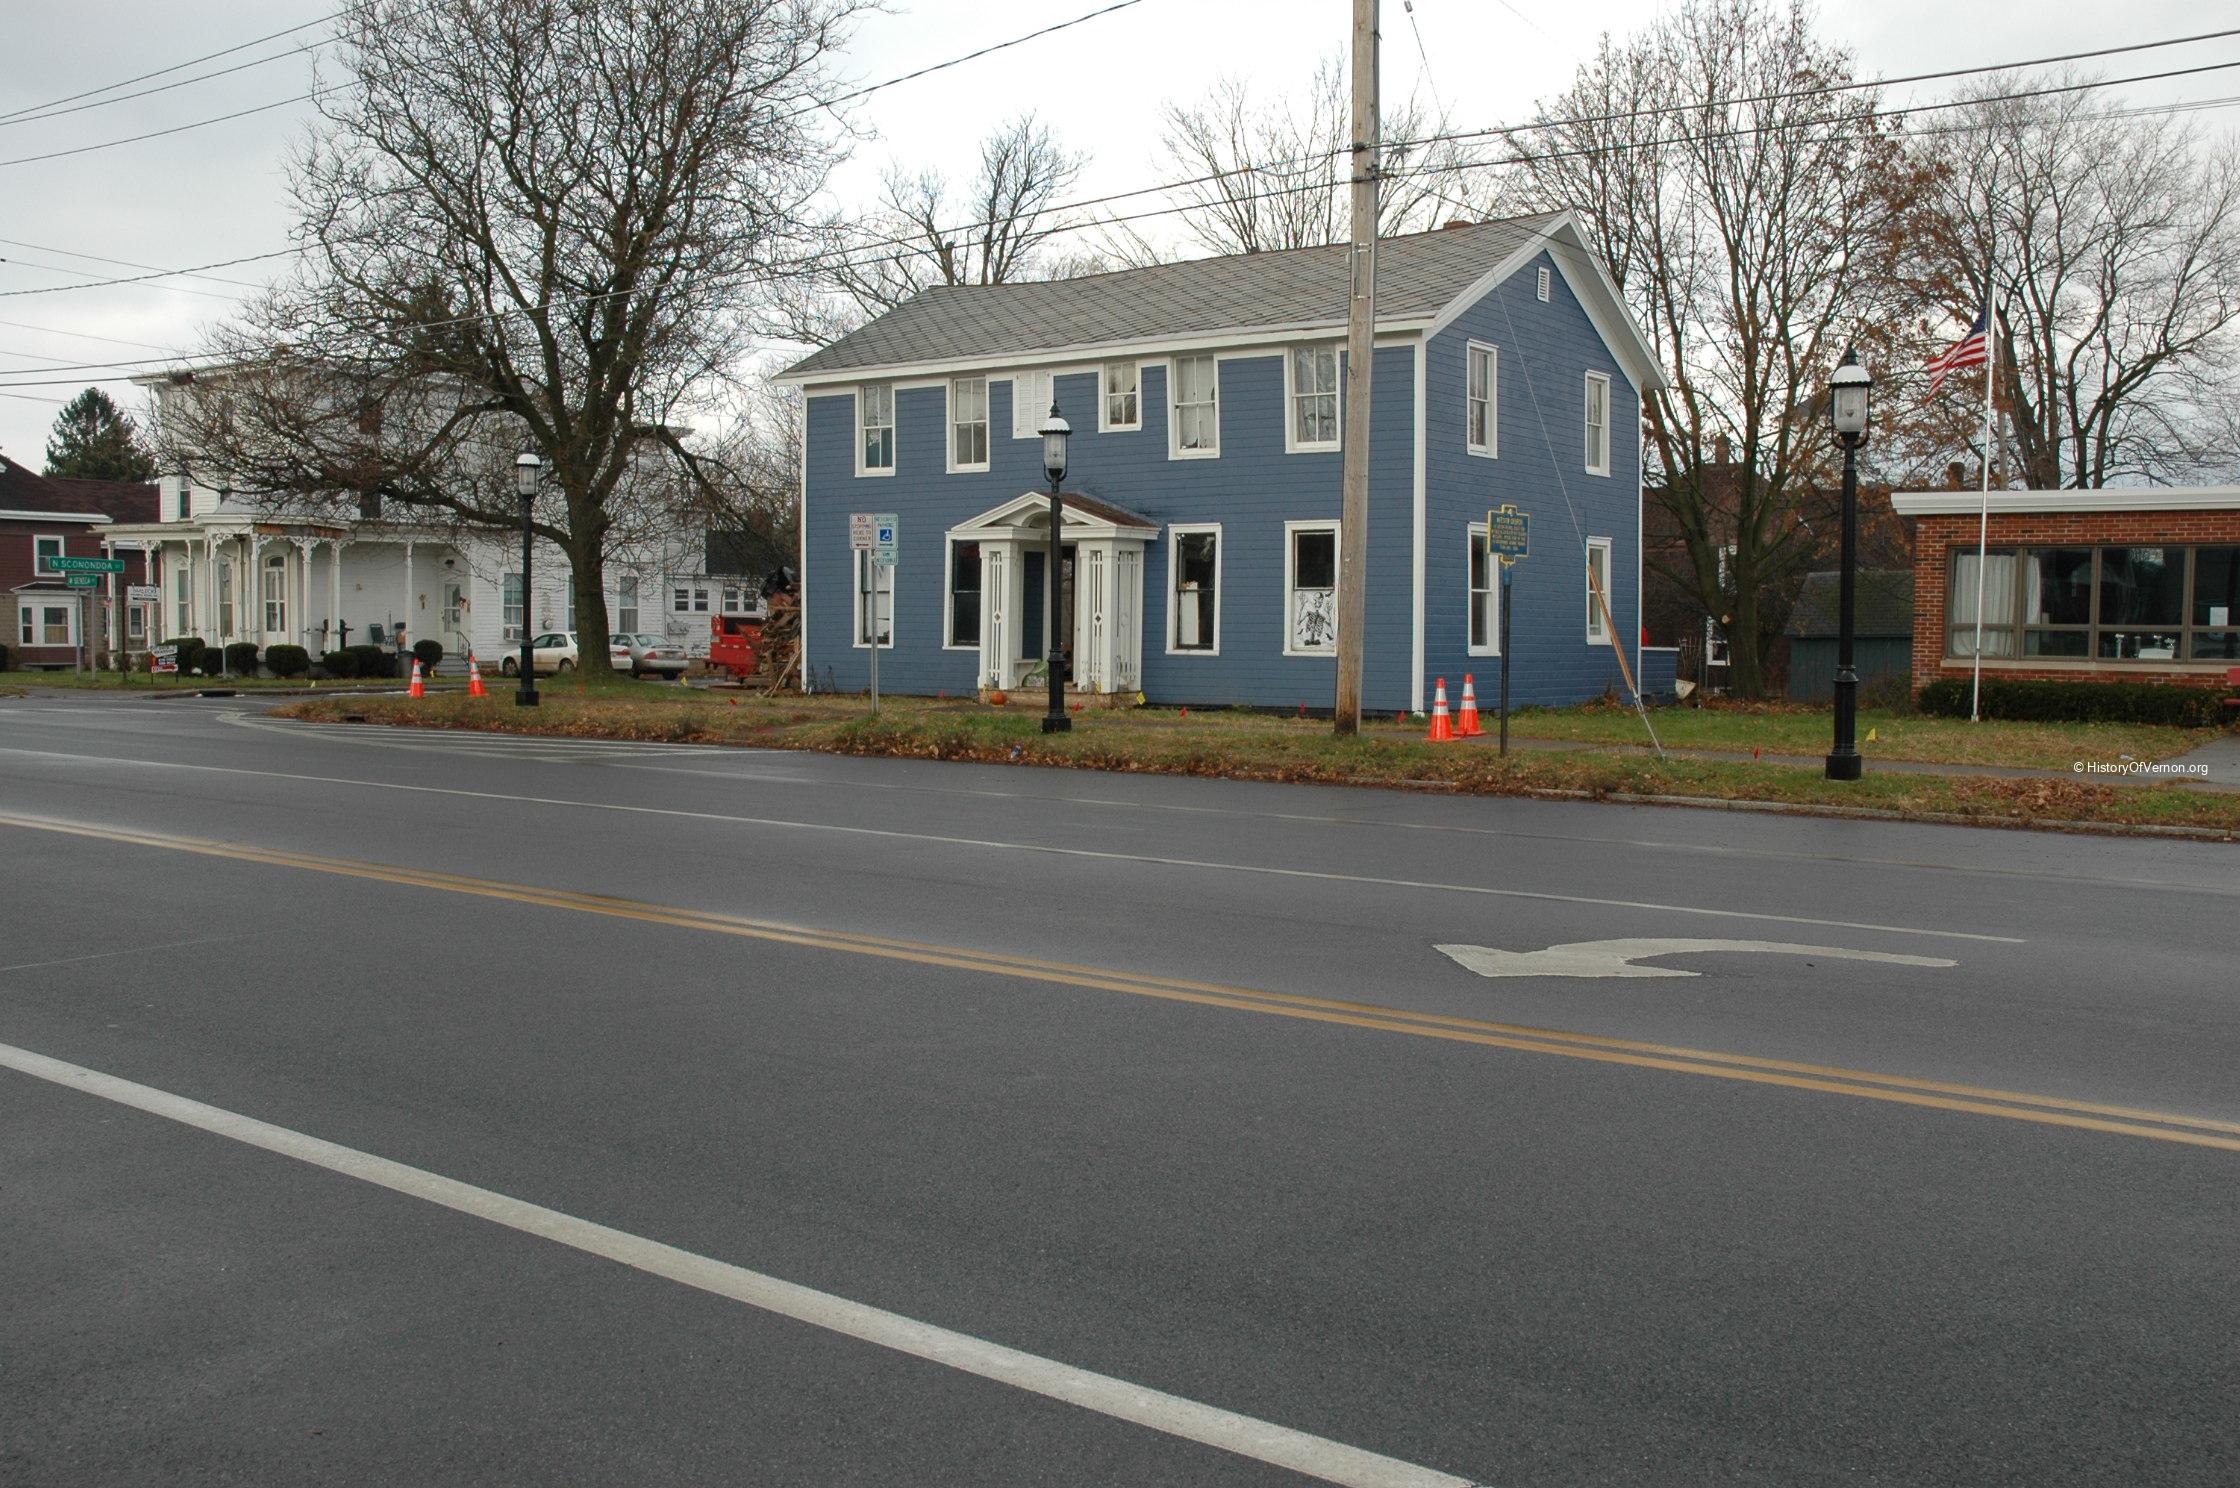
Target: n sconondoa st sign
[[68, 565]]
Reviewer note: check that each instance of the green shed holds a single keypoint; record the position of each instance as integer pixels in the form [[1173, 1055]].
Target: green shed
[[1882, 631]]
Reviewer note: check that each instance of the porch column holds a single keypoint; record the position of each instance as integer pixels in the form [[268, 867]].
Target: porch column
[[406, 631], [334, 608], [300, 590], [256, 580]]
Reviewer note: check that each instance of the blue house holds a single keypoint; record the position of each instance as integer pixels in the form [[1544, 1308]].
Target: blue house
[[1199, 550]]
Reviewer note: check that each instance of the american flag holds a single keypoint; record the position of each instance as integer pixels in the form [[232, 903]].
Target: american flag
[[1971, 350]]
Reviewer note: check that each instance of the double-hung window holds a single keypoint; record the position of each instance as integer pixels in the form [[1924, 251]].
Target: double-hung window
[[964, 596], [1598, 423], [1312, 379], [691, 598], [1481, 399], [1598, 591], [275, 591], [182, 598], [874, 600], [1485, 596], [1310, 583], [875, 429], [626, 604], [510, 607], [1197, 407], [1194, 564], [1122, 407], [44, 551], [968, 423]]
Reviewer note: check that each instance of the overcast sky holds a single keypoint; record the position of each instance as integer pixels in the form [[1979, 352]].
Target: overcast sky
[[216, 193]]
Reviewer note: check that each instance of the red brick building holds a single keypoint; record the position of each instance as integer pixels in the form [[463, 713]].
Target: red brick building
[[43, 518], [2128, 584]]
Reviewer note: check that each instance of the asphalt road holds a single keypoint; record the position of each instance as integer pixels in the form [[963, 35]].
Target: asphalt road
[[380, 1107]]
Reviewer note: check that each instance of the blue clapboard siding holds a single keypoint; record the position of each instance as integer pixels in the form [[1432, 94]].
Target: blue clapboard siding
[[1251, 490], [1546, 350]]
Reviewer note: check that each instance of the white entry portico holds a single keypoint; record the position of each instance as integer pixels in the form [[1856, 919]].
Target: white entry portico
[[1100, 574]]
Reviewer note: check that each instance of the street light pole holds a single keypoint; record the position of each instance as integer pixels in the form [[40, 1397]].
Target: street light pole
[[527, 469], [1847, 413], [1055, 433]]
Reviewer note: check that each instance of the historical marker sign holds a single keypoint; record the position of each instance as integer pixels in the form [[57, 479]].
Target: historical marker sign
[[1508, 532]]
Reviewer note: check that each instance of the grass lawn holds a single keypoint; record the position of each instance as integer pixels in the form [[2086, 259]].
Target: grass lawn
[[1780, 728], [1260, 747]]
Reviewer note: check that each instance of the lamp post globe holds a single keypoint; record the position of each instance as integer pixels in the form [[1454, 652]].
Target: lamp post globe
[[1056, 433], [1849, 390], [528, 470]]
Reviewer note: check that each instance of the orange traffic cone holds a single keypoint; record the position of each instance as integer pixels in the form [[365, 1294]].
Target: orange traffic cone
[[1466, 724], [1441, 729], [474, 678], [418, 688]]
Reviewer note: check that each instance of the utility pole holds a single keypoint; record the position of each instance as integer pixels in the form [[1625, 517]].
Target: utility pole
[[1361, 325]]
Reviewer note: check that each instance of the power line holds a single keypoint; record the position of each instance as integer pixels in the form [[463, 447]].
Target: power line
[[224, 263], [200, 77], [844, 256], [967, 57], [88, 336], [174, 67], [126, 263]]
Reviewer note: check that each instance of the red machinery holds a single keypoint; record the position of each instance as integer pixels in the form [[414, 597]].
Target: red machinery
[[735, 645]]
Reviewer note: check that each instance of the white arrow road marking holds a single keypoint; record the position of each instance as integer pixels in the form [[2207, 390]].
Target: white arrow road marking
[[1615, 958]]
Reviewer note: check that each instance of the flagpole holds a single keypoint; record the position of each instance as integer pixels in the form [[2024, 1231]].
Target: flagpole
[[1983, 518]]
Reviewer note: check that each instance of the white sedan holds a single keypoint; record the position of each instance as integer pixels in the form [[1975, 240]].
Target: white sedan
[[555, 651]]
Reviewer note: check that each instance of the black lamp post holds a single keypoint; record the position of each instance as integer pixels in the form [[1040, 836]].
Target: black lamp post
[[527, 469], [1055, 432], [1847, 415]]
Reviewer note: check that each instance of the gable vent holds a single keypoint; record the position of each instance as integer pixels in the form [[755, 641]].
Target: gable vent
[[1543, 286]]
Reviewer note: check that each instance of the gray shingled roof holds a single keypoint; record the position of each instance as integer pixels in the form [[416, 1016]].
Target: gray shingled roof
[[1882, 607], [1417, 277]]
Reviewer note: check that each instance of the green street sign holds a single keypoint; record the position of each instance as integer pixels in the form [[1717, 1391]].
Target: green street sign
[[86, 565], [84, 581], [1508, 532]]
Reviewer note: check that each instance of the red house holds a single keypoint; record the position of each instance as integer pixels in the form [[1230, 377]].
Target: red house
[[43, 518]]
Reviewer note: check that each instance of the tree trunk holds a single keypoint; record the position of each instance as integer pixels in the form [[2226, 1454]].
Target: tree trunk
[[587, 568]]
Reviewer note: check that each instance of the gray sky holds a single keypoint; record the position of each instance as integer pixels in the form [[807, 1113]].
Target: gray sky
[[217, 193]]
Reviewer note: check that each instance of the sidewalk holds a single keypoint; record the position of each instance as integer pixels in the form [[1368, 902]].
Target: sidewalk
[[2220, 758]]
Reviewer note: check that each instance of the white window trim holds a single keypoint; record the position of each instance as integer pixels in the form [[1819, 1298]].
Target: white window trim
[[949, 405], [1290, 555], [1104, 397], [1175, 451], [1586, 396], [949, 641], [1491, 449], [1597, 633], [894, 415], [1292, 443], [1040, 406], [62, 550], [1174, 598], [894, 620], [1493, 596], [30, 605]]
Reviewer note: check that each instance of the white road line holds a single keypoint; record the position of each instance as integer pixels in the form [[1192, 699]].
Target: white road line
[[718, 754], [166, 945], [1245, 1436], [993, 845]]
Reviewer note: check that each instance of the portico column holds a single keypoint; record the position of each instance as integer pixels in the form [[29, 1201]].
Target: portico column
[[300, 589], [334, 609], [405, 631]]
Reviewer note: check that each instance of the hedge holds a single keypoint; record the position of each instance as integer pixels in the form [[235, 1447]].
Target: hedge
[[374, 661], [2039, 701], [340, 664], [287, 661], [241, 658], [428, 653], [3, 658]]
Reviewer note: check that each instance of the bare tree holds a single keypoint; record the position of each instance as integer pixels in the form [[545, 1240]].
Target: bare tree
[[526, 223], [995, 228], [1270, 175], [1744, 211], [2112, 243]]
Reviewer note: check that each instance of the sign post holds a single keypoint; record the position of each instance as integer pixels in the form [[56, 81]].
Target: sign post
[[878, 536], [1508, 538]]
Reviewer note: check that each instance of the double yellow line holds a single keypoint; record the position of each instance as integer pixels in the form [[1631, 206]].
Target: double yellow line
[[1940, 1095]]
